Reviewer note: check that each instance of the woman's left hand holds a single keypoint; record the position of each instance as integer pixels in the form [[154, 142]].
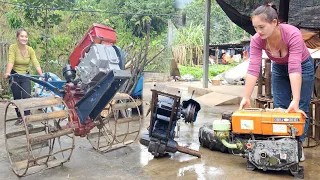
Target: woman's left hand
[[42, 77], [294, 107]]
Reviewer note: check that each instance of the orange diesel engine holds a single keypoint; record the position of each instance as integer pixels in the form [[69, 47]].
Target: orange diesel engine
[[268, 138], [267, 122]]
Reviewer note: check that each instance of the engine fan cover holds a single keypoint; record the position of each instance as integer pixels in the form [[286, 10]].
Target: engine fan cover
[[97, 62]]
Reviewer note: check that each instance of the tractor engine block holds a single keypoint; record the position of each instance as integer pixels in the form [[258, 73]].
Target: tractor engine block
[[97, 62]]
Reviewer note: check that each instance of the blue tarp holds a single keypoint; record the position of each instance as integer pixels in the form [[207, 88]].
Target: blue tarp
[[139, 87]]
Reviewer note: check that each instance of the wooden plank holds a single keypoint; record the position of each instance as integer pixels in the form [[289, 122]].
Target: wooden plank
[[163, 89], [115, 146], [47, 116], [46, 137], [127, 105], [23, 132], [36, 103], [120, 96], [126, 120]]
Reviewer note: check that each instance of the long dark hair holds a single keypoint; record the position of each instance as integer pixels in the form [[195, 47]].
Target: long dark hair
[[269, 11]]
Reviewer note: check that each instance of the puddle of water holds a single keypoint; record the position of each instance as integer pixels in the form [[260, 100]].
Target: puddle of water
[[145, 156], [201, 171], [182, 157]]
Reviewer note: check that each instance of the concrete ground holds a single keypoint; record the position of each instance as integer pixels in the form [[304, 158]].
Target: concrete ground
[[134, 161]]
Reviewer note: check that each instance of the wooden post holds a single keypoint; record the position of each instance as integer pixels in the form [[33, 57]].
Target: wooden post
[[206, 44], [260, 79], [217, 55], [268, 79], [284, 11]]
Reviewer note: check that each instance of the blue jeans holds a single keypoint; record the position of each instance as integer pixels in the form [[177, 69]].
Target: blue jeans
[[281, 88]]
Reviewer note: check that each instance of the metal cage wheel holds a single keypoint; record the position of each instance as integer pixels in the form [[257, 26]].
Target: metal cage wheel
[[42, 141]]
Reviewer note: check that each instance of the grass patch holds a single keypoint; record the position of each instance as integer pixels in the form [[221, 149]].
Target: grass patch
[[197, 71]]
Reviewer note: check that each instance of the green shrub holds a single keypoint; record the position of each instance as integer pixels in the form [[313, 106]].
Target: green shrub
[[197, 72]]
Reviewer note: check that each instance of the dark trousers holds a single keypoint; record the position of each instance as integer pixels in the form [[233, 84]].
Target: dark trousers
[[282, 89], [21, 89]]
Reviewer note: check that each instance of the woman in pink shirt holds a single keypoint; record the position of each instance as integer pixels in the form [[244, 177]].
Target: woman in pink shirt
[[292, 65]]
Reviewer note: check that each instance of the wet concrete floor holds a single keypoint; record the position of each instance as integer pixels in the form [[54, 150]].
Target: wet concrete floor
[[135, 162]]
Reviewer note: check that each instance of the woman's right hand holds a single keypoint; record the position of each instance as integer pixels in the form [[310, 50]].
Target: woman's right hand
[[245, 103], [7, 75]]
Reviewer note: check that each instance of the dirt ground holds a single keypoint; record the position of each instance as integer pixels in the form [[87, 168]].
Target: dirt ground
[[135, 162]]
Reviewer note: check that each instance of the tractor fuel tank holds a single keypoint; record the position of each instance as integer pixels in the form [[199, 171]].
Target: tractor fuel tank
[[266, 122]]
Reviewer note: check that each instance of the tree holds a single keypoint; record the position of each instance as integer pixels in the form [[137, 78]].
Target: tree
[[223, 30], [55, 33], [42, 14], [138, 60], [138, 23], [14, 20]]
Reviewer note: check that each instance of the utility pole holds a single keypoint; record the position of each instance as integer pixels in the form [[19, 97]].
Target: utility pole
[[206, 44]]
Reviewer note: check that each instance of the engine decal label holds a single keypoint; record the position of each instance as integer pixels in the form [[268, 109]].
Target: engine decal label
[[283, 156], [279, 128], [286, 119], [247, 124]]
